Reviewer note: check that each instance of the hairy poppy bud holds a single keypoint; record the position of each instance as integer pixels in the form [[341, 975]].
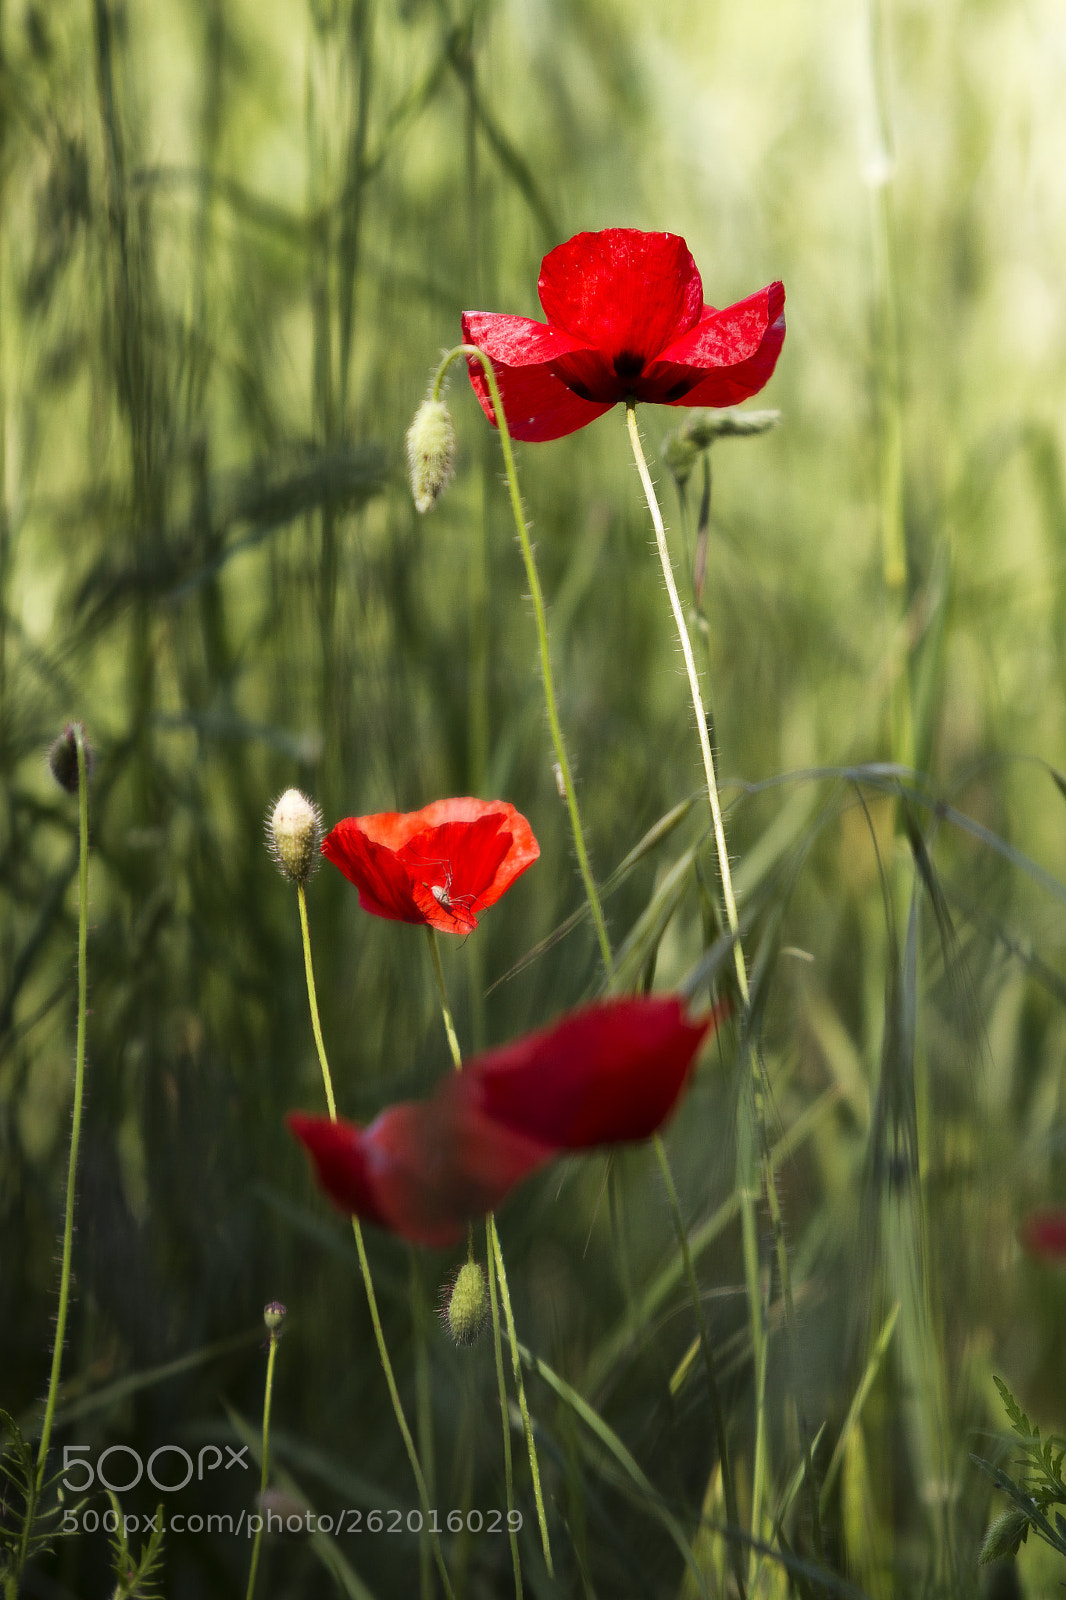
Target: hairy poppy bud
[[430, 453], [63, 757], [294, 833], [680, 450], [274, 1316], [465, 1307]]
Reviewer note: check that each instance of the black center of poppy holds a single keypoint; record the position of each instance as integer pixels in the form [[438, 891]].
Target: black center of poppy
[[628, 365]]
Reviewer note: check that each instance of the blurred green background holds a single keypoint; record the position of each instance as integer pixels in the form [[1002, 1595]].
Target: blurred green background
[[235, 239]]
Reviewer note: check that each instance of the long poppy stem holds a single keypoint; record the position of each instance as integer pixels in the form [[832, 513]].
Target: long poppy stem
[[79, 1094], [769, 1183], [539, 612], [498, 1274], [364, 1268], [268, 1393]]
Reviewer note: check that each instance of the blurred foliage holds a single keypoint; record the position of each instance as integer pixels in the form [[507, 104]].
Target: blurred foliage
[[234, 240]]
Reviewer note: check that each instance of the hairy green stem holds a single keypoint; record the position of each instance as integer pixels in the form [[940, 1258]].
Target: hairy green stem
[[364, 1267], [592, 893], [79, 1091]]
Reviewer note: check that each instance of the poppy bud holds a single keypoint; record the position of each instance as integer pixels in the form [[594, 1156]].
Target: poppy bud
[[63, 757], [681, 449], [274, 1316], [430, 453], [465, 1308], [294, 833]]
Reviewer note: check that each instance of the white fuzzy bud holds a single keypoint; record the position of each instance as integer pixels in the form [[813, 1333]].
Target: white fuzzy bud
[[430, 453]]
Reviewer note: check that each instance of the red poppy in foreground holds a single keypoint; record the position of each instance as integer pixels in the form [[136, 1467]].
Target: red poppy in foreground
[[626, 321], [440, 866], [1043, 1234], [604, 1075]]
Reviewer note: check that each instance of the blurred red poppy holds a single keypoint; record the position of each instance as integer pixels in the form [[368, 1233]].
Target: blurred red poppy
[[440, 866], [626, 321], [1043, 1234], [604, 1075]]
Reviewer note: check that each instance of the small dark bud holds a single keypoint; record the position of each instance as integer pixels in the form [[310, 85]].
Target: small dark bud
[[274, 1316], [63, 757]]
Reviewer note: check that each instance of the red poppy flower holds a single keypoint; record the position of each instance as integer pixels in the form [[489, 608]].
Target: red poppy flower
[[607, 1074], [1043, 1234], [441, 865], [626, 321]]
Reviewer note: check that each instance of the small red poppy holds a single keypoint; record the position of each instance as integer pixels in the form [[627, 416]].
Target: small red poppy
[[440, 866], [626, 321], [603, 1075], [1043, 1234]]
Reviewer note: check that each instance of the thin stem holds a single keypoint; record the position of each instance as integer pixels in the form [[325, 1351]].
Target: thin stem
[[442, 995], [758, 1075], [523, 1406], [728, 1486], [364, 1266], [591, 891], [312, 996], [501, 1385], [697, 704], [496, 1255], [265, 1468], [79, 1089]]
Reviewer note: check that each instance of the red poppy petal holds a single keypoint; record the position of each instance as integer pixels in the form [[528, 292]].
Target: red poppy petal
[[336, 1148], [609, 1073], [422, 1171], [483, 856], [537, 403], [384, 884], [624, 292], [726, 358], [1043, 1234], [452, 866]]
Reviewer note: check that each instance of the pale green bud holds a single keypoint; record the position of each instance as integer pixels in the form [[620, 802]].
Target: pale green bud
[[430, 453], [465, 1307]]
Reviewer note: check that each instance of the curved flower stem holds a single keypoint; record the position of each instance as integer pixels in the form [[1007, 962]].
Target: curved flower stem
[[265, 1467], [537, 596], [721, 1433], [498, 1271], [769, 1183], [364, 1267], [79, 1093]]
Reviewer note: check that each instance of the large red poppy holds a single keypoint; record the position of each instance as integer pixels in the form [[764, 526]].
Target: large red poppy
[[603, 1075], [441, 865], [626, 321]]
